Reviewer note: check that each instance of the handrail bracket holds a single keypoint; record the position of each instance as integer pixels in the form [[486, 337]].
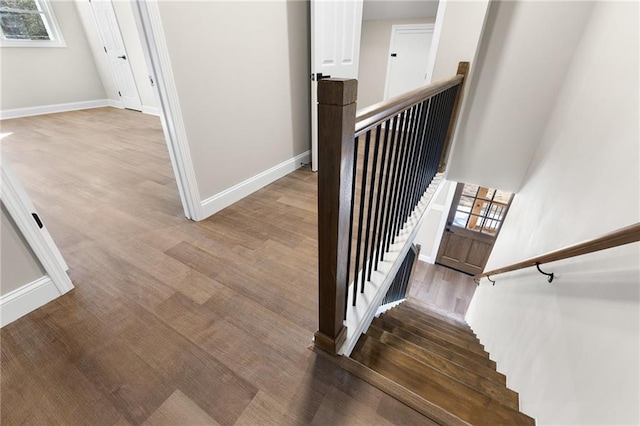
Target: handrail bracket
[[550, 275]]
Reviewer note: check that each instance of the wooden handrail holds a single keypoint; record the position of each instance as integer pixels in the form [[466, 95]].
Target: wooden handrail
[[403, 160], [629, 234], [375, 114]]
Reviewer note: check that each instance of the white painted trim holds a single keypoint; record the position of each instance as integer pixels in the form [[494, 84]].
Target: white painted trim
[[443, 221], [359, 317], [384, 308], [425, 258], [394, 32], [237, 192], [52, 109], [154, 46], [27, 298], [115, 103], [151, 110], [20, 208]]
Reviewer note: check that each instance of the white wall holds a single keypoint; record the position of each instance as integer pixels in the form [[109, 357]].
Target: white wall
[[242, 76], [526, 49], [39, 76], [18, 264], [374, 56], [571, 348], [457, 34], [458, 30], [430, 232], [133, 45]]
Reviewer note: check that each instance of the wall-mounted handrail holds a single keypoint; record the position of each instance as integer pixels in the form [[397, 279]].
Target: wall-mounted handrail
[[629, 234]]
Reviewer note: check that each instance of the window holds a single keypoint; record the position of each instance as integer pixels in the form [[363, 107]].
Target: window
[[481, 209], [28, 23]]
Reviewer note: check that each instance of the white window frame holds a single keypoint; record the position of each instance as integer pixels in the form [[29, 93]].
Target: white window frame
[[50, 22]]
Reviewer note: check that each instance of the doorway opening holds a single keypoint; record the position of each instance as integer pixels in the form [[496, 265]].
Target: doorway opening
[[473, 224]]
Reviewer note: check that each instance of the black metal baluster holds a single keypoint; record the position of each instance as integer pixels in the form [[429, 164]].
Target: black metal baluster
[[365, 165], [425, 148], [415, 159], [375, 239], [374, 169], [382, 232], [353, 202], [450, 98], [402, 177], [417, 195], [397, 179], [410, 147], [392, 190]]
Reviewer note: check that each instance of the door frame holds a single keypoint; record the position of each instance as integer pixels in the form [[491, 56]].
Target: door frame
[[118, 32], [154, 46], [457, 189], [22, 211], [394, 32]]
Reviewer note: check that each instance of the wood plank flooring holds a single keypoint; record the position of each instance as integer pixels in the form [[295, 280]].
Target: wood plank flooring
[[441, 289], [171, 321]]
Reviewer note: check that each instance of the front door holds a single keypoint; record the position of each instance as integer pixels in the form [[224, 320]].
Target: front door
[[473, 225], [114, 48], [335, 50]]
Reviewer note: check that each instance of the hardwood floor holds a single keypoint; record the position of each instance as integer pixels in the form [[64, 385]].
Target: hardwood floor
[[171, 321], [441, 289]]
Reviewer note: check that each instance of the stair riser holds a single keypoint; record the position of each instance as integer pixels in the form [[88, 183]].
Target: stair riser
[[464, 402], [434, 347], [447, 341], [464, 330], [468, 377], [425, 311], [417, 322]]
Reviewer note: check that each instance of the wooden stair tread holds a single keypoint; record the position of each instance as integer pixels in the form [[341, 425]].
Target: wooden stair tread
[[432, 312], [423, 317], [448, 366], [470, 351], [456, 335], [426, 343], [438, 388]]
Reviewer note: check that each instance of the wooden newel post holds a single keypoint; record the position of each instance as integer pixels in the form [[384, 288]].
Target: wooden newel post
[[336, 126], [463, 69]]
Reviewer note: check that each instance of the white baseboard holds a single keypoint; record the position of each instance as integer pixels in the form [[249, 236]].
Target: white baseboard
[[237, 192], [51, 109], [73, 106], [425, 258], [151, 110], [27, 298]]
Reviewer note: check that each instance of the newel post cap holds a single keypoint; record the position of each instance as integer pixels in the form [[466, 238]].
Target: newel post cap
[[337, 91]]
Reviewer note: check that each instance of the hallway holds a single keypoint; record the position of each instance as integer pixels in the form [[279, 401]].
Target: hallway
[[170, 321]]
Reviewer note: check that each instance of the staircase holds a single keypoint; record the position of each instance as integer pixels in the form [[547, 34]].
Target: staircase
[[440, 367]]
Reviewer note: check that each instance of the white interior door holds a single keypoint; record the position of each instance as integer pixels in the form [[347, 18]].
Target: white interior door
[[335, 50], [114, 48], [409, 55]]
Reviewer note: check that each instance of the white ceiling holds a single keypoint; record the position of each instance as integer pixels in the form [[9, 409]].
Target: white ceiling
[[399, 9]]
